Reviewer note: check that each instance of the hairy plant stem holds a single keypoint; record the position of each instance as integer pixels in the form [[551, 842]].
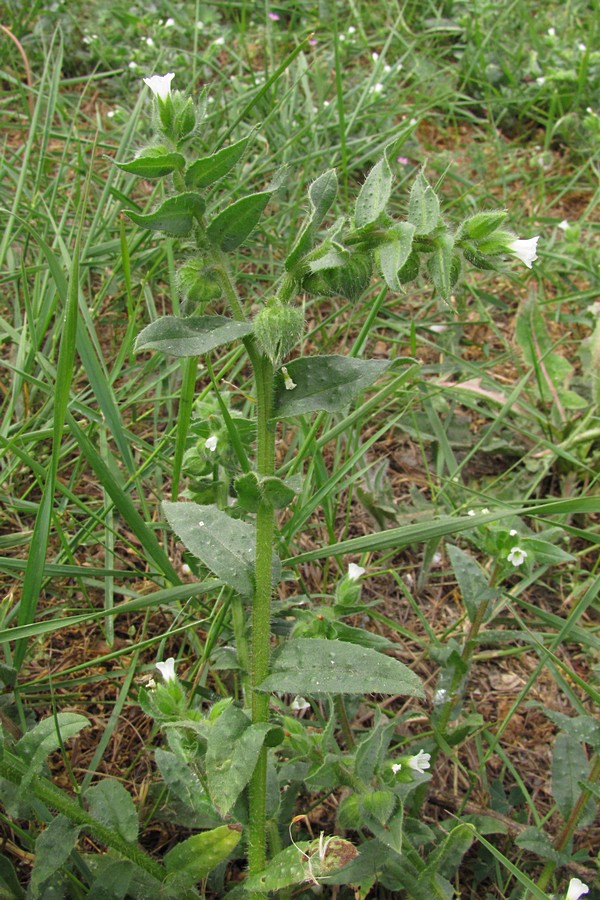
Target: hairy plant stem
[[15, 771], [261, 614]]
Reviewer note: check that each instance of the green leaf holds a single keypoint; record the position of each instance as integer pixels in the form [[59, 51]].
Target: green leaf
[[379, 813], [192, 336], [204, 172], [325, 382], [252, 490], [194, 858], [535, 840], [439, 265], [174, 216], [236, 222], [46, 737], [185, 785], [10, 889], [392, 255], [302, 862], [153, 163], [312, 666], [226, 546], [234, 744], [374, 194], [442, 864], [472, 580], [321, 193], [111, 804], [113, 880], [569, 767], [423, 206], [52, 849]]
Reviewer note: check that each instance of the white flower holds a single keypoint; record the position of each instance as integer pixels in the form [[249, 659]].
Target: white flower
[[375, 56], [563, 225], [541, 80], [219, 41], [354, 571], [167, 669], [351, 29], [525, 250], [377, 88], [150, 42], [576, 889], [581, 47], [552, 31], [396, 768], [151, 684], [471, 512], [185, 569], [160, 85], [169, 22], [287, 379], [484, 511], [300, 703], [420, 762], [517, 556], [513, 532], [211, 443], [133, 64]]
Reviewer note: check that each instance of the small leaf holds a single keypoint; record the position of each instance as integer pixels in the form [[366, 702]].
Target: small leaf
[[301, 862], [321, 193], [439, 265], [252, 490], [185, 785], [194, 858], [153, 163], [192, 336], [236, 222], [374, 194], [312, 666], [174, 216], [52, 849], [423, 206], [204, 172], [472, 580], [225, 545], [234, 744], [569, 767], [111, 804], [393, 255], [46, 737], [325, 382]]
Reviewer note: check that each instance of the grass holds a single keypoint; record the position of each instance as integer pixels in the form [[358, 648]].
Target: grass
[[501, 112]]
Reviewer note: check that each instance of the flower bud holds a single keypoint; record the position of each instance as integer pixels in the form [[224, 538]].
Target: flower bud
[[196, 282], [482, 224], [348, 280], [277, 329]]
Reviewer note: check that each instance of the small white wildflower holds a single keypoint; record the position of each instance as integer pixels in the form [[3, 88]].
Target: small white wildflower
[[387, 69], [133, 65], [185, 569], [289, 383], [169, 22], [160, 85], [563, 225], [420, 762], [110, 114], [513, 532], [219, 41], [471, 512], [377, 88], [200, 25], [525, 250], [517, 556], [581, 47], [151, 684], [342, 37], [374, 56], [351, 29], [576, 889], [413, 122], [396, 768], [150, 42], [354, 571], [211, 443], [300, 703], [541, 80], [440, 696], [552, 31], [484, 511], [437, 329], [167, 669]]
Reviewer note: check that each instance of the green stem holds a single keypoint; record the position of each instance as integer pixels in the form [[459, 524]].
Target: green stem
[[189, 369], [261, 614], [14, 770]]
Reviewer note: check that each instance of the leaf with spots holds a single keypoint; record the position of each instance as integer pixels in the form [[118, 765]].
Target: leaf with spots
[[192, 336], [314, 666], [226, 546], [234, 744], [325, 382]]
